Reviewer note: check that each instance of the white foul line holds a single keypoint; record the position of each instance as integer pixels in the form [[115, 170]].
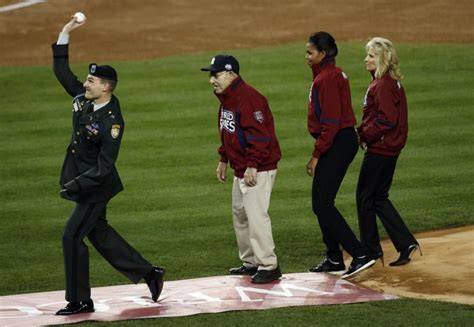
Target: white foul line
[[19, 5]]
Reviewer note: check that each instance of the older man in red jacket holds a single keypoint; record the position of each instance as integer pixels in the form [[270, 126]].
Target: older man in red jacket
[[249, 143]]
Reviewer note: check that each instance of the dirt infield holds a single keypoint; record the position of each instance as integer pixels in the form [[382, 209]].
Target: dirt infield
[[123, 30], [444, 272]]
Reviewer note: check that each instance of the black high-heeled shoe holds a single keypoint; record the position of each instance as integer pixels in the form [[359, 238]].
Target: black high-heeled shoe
[[405, 255], [379, 256]]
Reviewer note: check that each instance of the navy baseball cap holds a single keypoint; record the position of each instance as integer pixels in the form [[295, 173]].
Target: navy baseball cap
[[105, 72], [221, 63]]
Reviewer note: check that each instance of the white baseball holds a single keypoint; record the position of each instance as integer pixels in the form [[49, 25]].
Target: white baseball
[[79, 17]]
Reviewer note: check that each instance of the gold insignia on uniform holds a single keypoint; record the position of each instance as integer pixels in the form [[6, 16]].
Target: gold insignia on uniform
[[115, 131]]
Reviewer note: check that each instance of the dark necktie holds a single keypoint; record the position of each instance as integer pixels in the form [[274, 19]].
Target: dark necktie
[[88, 107]]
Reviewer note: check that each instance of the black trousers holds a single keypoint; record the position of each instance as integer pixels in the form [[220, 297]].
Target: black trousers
[[328, 176], [89, 219], [375, 179]]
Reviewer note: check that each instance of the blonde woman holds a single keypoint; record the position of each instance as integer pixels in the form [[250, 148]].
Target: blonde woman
[[383, 134]]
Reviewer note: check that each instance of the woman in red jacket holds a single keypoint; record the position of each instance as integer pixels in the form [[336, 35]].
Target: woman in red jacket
[[383, 133], [331, 122]]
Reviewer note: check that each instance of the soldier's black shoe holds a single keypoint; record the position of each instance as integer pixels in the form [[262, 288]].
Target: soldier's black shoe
[[405, 255], [154, 280], [328, 266], [73, 308], [357, 265], [243, 270], [266, 276]]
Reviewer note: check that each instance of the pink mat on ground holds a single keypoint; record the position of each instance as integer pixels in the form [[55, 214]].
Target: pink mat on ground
[[187, 297]]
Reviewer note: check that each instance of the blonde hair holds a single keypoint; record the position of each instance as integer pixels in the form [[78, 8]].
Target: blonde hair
[[387, 59]]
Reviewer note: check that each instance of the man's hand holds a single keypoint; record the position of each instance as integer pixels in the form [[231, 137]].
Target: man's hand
[[311, 166], [362, 144], [250, 176], [72, 25], [221, 171]]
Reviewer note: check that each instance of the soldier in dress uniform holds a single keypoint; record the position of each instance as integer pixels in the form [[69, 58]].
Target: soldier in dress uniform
[[89, 178]]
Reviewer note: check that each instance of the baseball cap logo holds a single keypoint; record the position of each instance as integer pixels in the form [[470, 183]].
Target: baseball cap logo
[[93, 68], [213, 60], [228, 67]]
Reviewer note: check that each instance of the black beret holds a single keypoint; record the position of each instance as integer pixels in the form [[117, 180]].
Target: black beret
[[105, 72]]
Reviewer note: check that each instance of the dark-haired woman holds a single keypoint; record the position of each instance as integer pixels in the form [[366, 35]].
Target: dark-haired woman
[[331, 122], [383, 133]]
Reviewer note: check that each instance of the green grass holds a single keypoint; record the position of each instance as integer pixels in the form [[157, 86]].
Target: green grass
[[175, 212]]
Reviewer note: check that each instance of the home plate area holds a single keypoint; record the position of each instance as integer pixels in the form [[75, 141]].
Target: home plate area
[[188, 297]]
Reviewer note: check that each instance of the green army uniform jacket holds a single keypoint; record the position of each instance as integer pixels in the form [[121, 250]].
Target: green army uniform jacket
[[88, 173]]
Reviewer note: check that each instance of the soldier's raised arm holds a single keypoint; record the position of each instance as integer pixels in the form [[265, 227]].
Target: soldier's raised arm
[[61, 68]]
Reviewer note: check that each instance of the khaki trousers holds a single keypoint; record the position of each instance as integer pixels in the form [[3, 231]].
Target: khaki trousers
[[252, 224]]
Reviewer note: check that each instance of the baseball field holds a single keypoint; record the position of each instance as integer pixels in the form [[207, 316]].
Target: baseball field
[[173, 210]]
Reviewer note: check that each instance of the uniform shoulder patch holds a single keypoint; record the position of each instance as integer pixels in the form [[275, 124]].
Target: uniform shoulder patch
[[115, 131], [258, 115]]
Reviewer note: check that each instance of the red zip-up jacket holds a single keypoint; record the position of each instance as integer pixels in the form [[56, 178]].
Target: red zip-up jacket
[[246, 129], [385, 117], [330, 107]]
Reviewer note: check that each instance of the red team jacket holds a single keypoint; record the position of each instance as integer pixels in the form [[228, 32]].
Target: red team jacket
[[246, 129], [330, 107], [385, 121]]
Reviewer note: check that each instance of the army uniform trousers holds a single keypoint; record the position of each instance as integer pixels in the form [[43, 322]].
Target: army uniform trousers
[[89, 219]]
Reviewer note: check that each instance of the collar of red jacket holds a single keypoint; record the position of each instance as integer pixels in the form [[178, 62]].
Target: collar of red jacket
[[231, 89], [325, 63], [386, 75]]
